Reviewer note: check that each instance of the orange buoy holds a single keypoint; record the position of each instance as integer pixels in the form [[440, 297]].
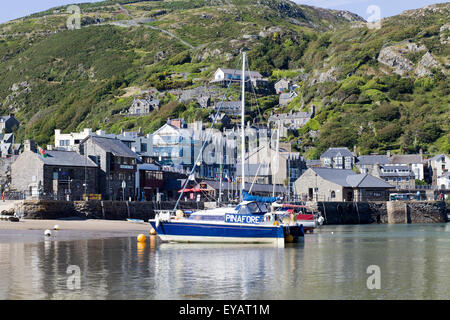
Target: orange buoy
[[141, 238]]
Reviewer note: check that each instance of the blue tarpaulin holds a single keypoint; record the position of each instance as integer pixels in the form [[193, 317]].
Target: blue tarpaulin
[[249, 197]]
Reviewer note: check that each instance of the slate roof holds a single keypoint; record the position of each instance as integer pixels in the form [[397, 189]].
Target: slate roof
[[334, 152], [115, 146], [66, 158], [372, 159], [251, 74], [406, 159], [437, 157], [348, 178]]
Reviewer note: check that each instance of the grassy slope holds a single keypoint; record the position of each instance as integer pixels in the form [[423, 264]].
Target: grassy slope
[[79, 78]]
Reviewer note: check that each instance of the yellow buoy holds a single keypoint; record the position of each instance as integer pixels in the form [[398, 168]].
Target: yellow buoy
[[56, 227], [276, 223], [289, 238], [152, 231], [179, 214], [141, 238]]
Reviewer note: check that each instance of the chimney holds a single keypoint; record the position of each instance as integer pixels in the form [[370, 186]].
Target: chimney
[[29, 145], [388, 153], [376, 170], [355, 151]]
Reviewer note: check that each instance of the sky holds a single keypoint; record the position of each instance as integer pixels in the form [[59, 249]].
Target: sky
[[19, 8]]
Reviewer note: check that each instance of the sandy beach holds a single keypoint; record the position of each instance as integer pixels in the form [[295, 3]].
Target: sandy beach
[[69, 229]]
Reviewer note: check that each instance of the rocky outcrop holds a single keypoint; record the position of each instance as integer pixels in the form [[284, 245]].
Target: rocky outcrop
[[326, 76], [393, 58], [426, 64]]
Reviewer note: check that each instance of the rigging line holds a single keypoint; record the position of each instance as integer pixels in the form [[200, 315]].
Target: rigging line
[[207, 137], [254, 91]]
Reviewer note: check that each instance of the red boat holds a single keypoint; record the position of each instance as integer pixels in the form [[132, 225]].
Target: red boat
[[300, 213]]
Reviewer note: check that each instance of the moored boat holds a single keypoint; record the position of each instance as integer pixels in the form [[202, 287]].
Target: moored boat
[[300, 213], [248, 222]]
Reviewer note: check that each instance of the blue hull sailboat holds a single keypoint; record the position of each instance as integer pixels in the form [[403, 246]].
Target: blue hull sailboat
[[251, 221], [248, 222]]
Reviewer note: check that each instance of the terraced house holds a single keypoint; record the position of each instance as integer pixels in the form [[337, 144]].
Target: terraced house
[[337, 158], [117, 166], [55, 175]]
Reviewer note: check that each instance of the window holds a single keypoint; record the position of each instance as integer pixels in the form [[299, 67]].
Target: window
[[143, 147], [333, 194]]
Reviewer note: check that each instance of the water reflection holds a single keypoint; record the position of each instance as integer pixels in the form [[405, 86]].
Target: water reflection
[[330, 264]]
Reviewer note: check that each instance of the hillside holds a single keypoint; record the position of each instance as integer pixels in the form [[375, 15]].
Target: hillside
[[380, 90]]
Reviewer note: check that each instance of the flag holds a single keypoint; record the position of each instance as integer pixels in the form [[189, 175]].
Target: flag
[[42, 152]]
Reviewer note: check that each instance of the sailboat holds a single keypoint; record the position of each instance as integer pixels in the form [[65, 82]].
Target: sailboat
[[251, 221]]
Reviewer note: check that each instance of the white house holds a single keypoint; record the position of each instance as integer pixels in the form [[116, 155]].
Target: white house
[[413, 161], [222, 74], [443, 181], [136, 141], [438, 166]]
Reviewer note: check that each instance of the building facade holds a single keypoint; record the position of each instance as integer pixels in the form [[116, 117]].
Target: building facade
[[326, 184], [117, 166], [438, 166], [290, 121], [8, 123], [58, 175], [337, 158], [402, 177]]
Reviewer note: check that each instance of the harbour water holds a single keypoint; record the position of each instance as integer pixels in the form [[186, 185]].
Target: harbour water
[[333, 263]]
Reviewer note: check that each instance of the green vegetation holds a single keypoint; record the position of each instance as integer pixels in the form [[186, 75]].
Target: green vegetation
[[81, 78]]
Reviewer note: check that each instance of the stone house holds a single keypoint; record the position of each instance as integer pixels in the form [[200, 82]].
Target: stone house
[[8, 147], [59, 175], [367, 164], [283, 85], [438, 166], [414, 161], [143, 106], [326, 184], [337, 158], [271, 167], [230, 108], [402, 177], [117, 166], [290, 121], [8, 123]]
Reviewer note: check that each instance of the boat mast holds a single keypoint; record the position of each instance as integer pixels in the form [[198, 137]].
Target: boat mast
[[242, 129]]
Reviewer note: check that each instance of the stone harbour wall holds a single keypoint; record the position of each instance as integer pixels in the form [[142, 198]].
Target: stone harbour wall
[[390, 212], [334, 213], [110, 210]]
